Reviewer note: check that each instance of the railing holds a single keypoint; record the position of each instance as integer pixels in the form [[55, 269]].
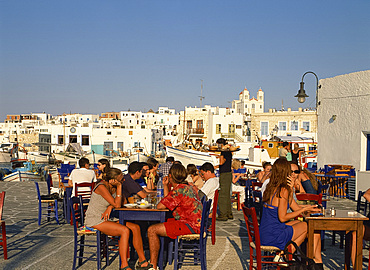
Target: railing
[[195, 131]]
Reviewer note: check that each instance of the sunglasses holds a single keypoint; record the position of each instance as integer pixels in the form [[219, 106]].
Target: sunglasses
[[296, 171]]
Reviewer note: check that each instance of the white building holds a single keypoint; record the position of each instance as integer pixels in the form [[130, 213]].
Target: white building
[[344, 123], [247, 105]]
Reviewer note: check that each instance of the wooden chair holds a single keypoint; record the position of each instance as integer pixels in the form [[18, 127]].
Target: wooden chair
[[212, 228], [235, 197], [257, 197], [81, 241], [2, 226], [84, 190], [309, 197], [193, 246], [51, 206], [255, 248]]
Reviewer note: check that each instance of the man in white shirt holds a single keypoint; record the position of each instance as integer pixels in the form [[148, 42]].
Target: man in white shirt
[[81, 175], [211, 182]]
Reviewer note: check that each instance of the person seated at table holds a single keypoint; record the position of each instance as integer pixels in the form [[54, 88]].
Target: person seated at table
[[129, 186], [211, 182], [265, 174], [235, 186], [366, 230], [144, 174], [193, 176], [81, 175], [277, 227], [186, 207], [103, 166], [107, 194], [152, 179], [308, 182]]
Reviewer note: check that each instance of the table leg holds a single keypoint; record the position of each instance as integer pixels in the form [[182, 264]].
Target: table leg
[[359, 237], [310, 239], [347, 251]]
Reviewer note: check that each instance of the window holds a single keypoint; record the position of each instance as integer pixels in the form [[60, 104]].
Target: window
[[264, 128], [85, 140], [130, 132], [270, 145], [260, 106], [306, 126], [120, 146], [218, 128], [238, 126], [282, 126], [199, 123], [246, 106], [189, 124], [109, 132], [253, 106], [72, 138], [294, 125]]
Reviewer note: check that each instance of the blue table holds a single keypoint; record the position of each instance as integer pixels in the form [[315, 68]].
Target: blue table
[[132, 214]]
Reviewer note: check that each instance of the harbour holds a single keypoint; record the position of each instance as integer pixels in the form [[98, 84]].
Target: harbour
[[50, 246]]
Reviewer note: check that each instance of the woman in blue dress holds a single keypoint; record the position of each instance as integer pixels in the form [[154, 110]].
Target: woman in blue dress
[[277, 225]]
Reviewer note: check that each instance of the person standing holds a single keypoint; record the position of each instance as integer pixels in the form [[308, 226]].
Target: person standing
[[283, 152], [224, 199]]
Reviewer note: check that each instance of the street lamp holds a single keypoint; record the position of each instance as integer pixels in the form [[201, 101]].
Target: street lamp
[[301, 96]]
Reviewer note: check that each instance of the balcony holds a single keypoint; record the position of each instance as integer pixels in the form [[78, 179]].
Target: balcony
[[195, 131]]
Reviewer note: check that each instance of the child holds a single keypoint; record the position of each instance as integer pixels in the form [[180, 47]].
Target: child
[[187, 209]]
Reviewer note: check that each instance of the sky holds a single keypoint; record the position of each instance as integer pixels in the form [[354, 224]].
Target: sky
[[102, 56]]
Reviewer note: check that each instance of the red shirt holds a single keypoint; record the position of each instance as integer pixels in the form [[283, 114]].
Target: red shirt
[[184, 201]]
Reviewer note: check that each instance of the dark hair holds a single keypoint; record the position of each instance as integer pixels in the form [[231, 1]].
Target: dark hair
[[144, 164], [207, 167], [152, 162], [221, 141], [105, 162], [278, 178], [265, 164], [285, 144], [83, 161], [192, 169], [170, 159], [178, 173], [242, 162], [134, 167]]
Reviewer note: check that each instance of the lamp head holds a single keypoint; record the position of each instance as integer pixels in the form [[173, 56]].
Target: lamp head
[[301, 94]]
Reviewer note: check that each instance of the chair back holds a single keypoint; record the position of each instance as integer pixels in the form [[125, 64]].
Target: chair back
[[310, 197], [38, 191], [2, 198], [214, 214], [204, 223], [84, 190], [77, 212], [251, 221], [362, 205], [49, 182]]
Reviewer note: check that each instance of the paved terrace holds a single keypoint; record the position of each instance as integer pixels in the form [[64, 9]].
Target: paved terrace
[[50, 246]]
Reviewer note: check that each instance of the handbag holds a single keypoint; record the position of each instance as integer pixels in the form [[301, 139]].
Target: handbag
[[300, 260]]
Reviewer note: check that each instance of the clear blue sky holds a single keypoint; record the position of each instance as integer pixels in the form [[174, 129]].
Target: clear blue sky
[[99, 56]]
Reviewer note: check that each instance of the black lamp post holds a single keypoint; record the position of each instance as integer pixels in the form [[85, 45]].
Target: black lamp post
[[301, 96]]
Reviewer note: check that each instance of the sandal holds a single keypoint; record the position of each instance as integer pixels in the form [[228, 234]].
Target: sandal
[[125, 268], [139, 265]]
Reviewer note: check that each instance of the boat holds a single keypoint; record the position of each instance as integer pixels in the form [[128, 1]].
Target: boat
[[190, 156], [22, 176], [138, 154]]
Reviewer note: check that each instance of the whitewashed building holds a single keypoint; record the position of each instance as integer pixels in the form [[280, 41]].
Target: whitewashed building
[[344, 123], [247, 105]]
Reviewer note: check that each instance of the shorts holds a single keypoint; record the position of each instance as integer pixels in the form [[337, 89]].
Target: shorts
[[175, 228]]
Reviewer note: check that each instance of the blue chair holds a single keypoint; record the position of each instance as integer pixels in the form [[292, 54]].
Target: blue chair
[[51, 206], [191, 248], [81, 242]]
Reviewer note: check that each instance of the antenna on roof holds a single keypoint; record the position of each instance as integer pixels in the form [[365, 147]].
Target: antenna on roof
[[201, 93]]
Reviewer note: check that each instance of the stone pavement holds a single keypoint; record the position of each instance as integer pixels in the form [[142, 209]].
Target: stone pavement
[[50, 246]]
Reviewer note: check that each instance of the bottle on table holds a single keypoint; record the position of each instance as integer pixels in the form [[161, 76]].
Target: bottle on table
[[160, 190]]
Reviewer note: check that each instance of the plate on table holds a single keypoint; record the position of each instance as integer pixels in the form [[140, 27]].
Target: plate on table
[[144, 206], [130, 205]]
